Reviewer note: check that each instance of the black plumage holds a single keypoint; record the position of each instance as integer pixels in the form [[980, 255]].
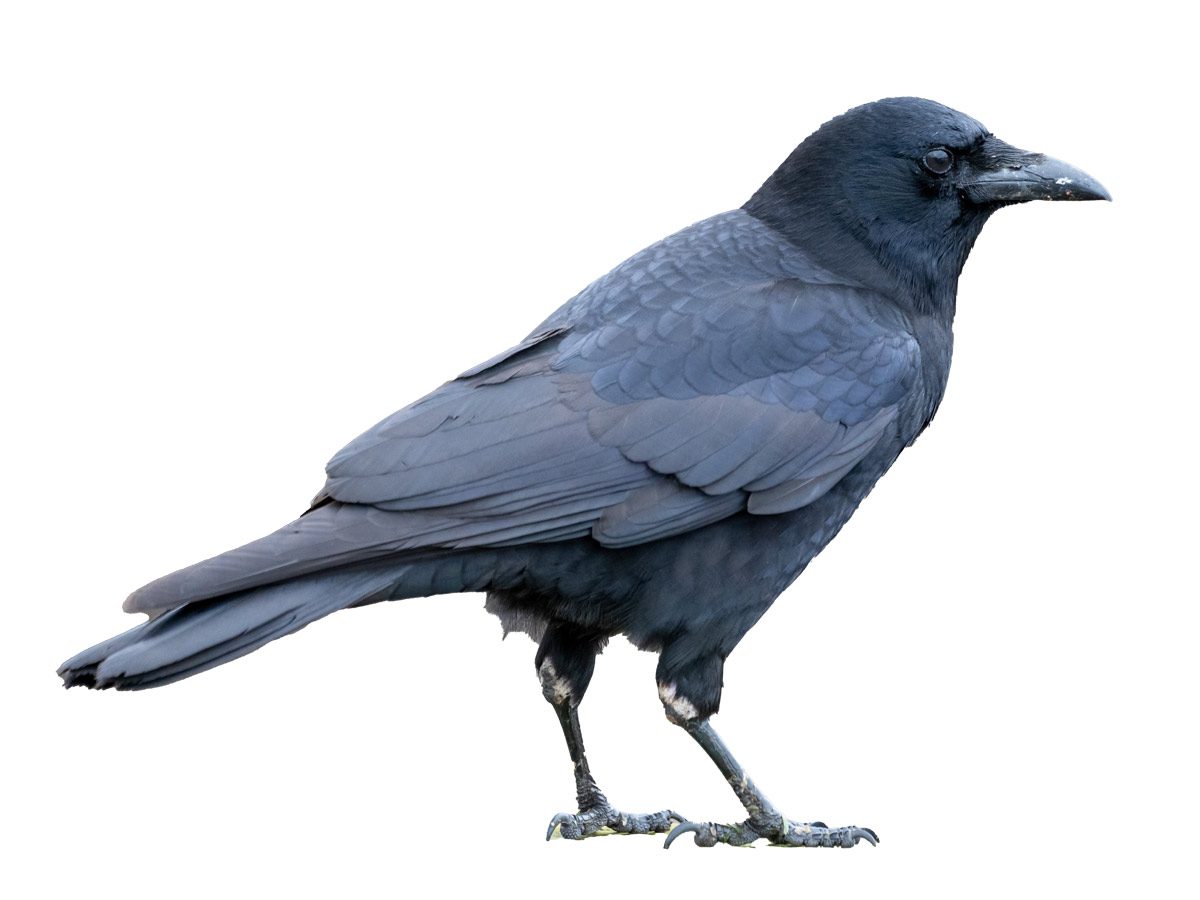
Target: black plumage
[[661, 457]]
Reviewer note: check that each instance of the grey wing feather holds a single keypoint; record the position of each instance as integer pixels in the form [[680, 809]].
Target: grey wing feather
[[510, 355], [715, 364], [660, 509]]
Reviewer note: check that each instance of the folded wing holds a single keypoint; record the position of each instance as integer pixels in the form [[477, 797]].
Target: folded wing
[[696, 397]]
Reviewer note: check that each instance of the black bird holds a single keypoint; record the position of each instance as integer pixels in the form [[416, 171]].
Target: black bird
[[660, 458]]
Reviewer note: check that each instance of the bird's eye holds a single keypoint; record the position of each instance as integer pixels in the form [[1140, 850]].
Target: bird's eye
[[938, 161]]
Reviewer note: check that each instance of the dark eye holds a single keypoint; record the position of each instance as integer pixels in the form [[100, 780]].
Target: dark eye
[[938, 161]]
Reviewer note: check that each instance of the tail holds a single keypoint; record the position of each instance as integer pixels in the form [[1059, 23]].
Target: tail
[[198, 636]]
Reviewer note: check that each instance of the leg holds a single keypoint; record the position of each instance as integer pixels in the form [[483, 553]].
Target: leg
[[565, 662], [689, 697]]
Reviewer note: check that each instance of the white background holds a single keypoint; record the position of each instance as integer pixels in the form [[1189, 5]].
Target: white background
[[234, 235]]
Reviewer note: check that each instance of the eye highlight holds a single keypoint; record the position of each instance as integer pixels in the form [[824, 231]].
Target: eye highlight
[[938, 161]]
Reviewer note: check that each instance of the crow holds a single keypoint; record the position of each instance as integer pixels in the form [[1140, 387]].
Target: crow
[[660, 458]]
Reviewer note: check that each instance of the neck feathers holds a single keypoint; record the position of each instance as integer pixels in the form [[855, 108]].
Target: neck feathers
[[909, 247]]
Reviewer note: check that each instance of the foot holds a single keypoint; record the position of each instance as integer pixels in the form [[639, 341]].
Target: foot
[[778, 831], [603, 819]]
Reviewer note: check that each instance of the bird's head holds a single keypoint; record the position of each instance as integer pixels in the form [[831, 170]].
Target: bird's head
[[900, 189]]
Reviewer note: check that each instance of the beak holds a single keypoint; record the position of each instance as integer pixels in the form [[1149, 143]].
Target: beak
[[1001, 174]]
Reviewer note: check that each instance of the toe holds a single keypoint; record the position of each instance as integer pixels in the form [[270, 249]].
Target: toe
[[564, 825]]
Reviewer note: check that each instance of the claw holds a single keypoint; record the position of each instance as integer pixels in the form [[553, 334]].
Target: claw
[[701, 829], [675, 817], [866, 834], [555, 829]]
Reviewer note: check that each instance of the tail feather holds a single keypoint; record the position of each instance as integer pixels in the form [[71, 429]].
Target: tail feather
[[199, 636]]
